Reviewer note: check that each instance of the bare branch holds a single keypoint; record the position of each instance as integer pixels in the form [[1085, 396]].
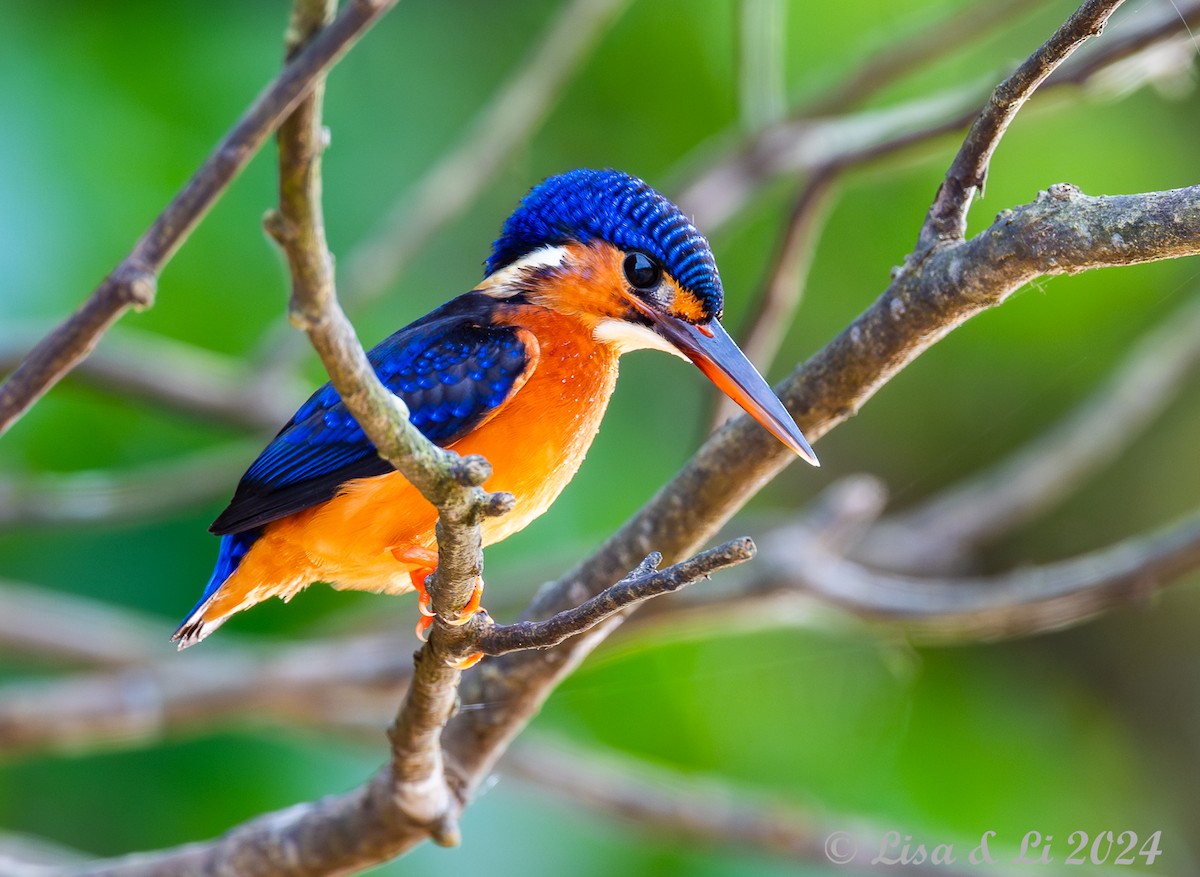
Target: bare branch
[[1063, 231], [644, 583], [947, 217], [418, 786], [940, 533], [132, 284]]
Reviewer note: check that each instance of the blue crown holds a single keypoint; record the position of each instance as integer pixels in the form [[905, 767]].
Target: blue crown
[[583, 205]]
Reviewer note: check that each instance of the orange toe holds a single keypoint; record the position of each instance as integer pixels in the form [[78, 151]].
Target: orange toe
[[423, 624], [466, 663], [468, 611]]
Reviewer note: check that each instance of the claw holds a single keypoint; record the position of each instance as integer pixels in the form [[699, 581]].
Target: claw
[[465, 663], [423, 624], [424, 601], [468, 611]]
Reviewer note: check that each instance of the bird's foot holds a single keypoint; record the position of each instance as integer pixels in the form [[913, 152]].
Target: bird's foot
[[425, 604]]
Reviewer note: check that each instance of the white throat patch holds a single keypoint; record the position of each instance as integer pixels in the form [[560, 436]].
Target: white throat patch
[[631, 336]]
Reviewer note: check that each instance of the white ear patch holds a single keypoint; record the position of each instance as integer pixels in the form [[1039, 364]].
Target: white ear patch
[[504, 283], [630, 336]]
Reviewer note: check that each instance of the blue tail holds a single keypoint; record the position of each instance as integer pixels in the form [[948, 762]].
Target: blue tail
[[234, 547]]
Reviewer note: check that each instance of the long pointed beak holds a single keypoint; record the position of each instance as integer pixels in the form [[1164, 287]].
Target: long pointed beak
[[715, 353]]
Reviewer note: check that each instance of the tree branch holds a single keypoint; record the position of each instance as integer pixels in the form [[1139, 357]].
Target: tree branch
[[644, 583], [947, 218], [132, 283], [1063, 231], [417, 788]]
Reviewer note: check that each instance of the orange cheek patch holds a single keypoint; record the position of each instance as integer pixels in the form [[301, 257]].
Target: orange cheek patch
[[591, 286]]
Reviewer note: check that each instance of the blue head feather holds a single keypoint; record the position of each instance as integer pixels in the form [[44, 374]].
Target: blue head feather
[[585, 205]]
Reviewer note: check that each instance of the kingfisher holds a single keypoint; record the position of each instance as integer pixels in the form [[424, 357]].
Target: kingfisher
[[591, 265]]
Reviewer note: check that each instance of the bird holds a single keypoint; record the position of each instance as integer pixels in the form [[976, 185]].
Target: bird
[[591, 265]]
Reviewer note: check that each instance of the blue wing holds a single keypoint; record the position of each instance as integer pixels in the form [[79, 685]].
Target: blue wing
[[453, 368]]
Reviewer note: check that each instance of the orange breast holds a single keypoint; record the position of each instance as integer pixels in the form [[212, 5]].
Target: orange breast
[[535, 444]]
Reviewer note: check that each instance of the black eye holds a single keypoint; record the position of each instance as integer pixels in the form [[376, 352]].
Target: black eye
[[642, 272]]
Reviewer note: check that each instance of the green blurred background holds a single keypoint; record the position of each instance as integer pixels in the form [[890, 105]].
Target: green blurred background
[[108, 107]]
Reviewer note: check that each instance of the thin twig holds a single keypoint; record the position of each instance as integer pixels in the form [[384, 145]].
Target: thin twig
[[132, 283], [947, 218], [644, 583], [940, 533], [341, 682]]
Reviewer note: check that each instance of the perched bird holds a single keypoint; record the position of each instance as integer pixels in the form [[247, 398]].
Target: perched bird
[[593, 263]]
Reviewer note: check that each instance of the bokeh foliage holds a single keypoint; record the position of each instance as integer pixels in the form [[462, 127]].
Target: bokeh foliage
[[108, 107]]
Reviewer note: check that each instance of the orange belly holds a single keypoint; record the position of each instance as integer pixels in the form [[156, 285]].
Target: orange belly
[[535, 444]]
